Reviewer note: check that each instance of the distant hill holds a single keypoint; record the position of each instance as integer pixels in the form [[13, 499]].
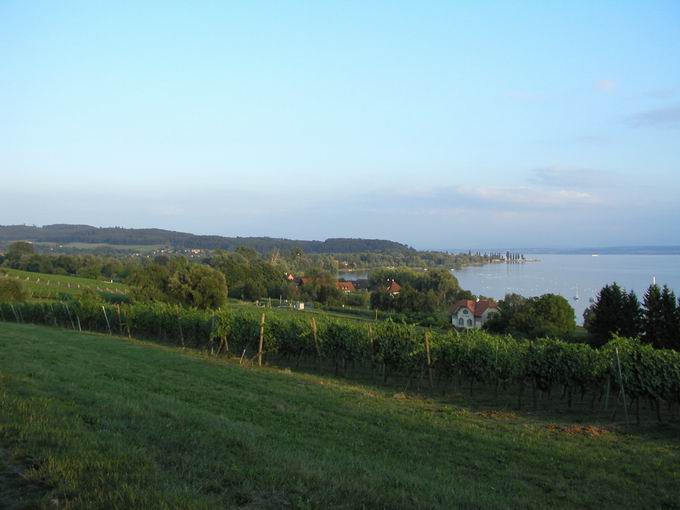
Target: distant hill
[[61, 233]]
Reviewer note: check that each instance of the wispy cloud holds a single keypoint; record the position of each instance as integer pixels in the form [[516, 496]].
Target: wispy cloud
[[504, 199], [668, 117], [663, 93], [521, 197], [607, 85], [571, 178]]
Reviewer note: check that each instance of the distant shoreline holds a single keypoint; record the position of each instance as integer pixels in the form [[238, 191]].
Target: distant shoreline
[[614, 250]]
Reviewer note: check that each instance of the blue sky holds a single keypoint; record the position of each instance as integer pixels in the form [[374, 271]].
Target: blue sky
[[438, 124]]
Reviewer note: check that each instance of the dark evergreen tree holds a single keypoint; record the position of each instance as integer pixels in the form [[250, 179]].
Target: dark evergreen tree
[[632, 316], [607, 314], [653, 316], [669, 335]]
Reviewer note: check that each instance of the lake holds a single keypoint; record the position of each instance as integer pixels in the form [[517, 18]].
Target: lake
[[568, 274]]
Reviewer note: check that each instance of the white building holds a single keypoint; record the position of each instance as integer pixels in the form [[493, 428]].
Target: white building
[[470, 314]]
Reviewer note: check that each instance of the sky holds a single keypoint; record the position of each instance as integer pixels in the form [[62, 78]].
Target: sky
[[438, 124]]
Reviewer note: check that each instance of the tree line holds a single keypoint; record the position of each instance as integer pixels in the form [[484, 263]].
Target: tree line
[[61, 233], [549, 315], [655, 321]]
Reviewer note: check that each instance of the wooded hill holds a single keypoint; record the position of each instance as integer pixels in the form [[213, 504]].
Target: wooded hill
[[63, 234]]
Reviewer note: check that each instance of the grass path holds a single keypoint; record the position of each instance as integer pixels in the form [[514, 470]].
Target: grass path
[[90, 421]]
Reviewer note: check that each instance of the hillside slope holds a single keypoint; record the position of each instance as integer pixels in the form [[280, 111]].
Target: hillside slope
[[61, 233], [92, 421]]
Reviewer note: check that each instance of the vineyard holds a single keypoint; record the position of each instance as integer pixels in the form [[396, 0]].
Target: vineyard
[[51, 286], [622, 372]]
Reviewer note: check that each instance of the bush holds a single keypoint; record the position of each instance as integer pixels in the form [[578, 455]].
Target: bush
[[12, 289]]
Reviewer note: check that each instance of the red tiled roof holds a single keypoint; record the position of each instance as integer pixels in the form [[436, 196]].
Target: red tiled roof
[[476, 307], [394, 288], [345, 286]]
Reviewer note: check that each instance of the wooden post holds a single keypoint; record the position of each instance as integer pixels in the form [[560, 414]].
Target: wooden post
[[315, 333], [120, 323], [181, 333], [54, 315], [606, 395], [68, 311], [108, 325], [80, 330], [429, 358], [623, 392], [259, 352], [15, 312]]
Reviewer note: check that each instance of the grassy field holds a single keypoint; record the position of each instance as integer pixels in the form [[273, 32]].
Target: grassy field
[[49, 286], [92, 421]]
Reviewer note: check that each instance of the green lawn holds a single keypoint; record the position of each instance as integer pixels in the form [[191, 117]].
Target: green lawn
[[49, 286], [92, 421]]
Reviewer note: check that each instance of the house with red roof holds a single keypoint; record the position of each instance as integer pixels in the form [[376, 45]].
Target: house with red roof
[[394, 288], [469, 314], [345, 287]]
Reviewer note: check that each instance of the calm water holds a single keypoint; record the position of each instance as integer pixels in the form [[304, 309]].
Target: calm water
[[568, 274]]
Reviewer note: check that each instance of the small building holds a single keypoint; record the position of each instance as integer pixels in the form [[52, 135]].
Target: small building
[[345, 287], [469, 314], [394, 289], [299, 305]]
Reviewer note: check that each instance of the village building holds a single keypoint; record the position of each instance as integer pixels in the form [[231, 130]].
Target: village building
[[394, 289], [345, 287], [469, 314]]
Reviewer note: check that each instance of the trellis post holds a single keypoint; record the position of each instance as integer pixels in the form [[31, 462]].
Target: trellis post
[[259, 352]]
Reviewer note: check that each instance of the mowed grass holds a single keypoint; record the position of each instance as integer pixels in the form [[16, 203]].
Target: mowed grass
[[47, 286], [92, 421]]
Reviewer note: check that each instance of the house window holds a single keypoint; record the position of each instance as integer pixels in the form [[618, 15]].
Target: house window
[[469, 322], [465, 312], [461, 322]]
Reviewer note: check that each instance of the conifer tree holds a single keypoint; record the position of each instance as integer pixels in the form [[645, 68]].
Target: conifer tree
[[607, 313], [632, 316], [669, 335], [653, 316]]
